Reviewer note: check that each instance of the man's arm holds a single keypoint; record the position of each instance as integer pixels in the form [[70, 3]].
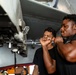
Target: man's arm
[[35, 71], [68, 50], [50, 64]]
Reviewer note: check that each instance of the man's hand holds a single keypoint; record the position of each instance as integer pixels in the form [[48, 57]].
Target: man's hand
[[58, 39], [45, 42]]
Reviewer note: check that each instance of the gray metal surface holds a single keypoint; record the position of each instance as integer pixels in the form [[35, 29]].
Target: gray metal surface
[[7, 57], [38, 10]]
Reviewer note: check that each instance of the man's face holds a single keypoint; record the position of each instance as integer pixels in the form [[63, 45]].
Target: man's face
[[67, 28], [47, 35]]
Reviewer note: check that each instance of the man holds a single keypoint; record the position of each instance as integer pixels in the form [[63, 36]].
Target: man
[[39, 68], [65, 55]]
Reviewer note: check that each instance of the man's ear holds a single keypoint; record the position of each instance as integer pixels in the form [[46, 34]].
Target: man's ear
[[74, 27], [53, 38]]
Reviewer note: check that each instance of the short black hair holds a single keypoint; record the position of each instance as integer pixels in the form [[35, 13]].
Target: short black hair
[[71, 17], [49, 29]]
